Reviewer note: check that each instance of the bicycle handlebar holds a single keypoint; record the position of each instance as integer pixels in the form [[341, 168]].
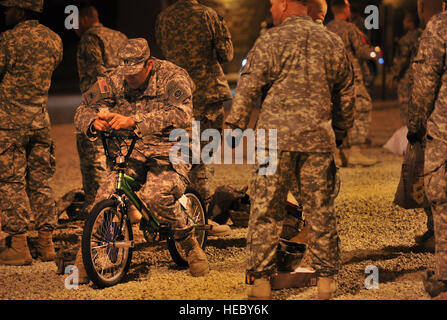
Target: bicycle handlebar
[[105, 135]]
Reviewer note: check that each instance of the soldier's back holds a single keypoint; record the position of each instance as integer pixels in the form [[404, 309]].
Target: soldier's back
[[102, 43], [34, 52], [186, 33], [112, 41], [301, 56]]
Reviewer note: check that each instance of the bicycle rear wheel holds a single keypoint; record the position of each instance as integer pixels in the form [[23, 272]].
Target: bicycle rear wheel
[[107, 244], [197, 214]]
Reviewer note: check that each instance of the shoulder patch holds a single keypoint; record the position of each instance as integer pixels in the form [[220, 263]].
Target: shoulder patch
[[177, 92], [103, 86]]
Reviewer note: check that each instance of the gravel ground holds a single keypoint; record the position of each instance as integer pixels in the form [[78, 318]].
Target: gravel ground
[[372, 230]]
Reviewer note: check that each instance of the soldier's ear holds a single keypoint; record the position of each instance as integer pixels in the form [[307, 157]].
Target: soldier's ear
[[149, 65]]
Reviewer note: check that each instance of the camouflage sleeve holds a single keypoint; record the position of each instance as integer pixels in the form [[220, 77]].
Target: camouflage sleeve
[[255, 76], [343, 96], [402, 59], [360, 44], [172, 111], [222, 40], [84, 118], [91, 62], [99, 95], [2, 56], [158, 30], [427, 69]]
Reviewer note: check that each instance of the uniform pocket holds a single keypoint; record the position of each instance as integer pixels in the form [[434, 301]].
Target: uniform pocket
[[436, 185], [8, 157]]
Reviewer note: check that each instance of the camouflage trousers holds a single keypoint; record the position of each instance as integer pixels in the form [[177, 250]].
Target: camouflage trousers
[[210, 117], [160, 188], [403, 95], [315, 174], [435, 181], [93, 167], [363, 115], [27, 164]]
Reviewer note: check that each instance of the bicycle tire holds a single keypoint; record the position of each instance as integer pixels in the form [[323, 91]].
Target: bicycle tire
[[201, 235], [108, 230]]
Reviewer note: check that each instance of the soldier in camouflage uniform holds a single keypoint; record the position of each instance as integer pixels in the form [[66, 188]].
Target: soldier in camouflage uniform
[[357, 46], [96, 56], [428, 121], [197, 39], [309, 123], [426, 10], [151, 97], [406, 50], [29, 53]]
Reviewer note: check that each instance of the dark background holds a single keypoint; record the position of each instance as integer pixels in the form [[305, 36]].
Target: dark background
[[136, 18]]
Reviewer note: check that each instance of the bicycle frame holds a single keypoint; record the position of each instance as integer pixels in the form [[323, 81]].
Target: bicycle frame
[[123, 186]]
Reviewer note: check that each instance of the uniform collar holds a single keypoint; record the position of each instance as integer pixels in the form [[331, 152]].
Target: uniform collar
[[297, 17], [27, 23], [151, 89]]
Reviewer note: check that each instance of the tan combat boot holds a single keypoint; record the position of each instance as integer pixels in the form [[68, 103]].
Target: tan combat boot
[[198, 263], [45, 246], [341, 160], [426, 241], [18, 253], [218, 230], [326, 288], [260, 290], [82, 274], [357, 158]]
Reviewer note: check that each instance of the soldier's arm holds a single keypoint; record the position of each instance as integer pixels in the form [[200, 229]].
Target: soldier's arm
[[343, 95], [222, 39], [2, 56], [172, 111], [427, 69], [158, 30], [100, 95], [402, 59], [256, 75], [91, 61], [359, 44]]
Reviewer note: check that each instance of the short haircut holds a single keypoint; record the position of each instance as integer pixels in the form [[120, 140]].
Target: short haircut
[[303, 2], [88, 10], [338, 3], [413, 16]]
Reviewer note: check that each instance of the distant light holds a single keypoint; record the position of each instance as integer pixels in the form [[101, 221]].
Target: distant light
[[244, 62], [373, 54], [377, 49], [381, 61]]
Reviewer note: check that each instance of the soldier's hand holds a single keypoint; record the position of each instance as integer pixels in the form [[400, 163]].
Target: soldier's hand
[[100, 125], [117, 121], [413, 137]]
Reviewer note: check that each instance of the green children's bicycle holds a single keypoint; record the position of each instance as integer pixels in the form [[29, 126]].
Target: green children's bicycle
[[107, 240]]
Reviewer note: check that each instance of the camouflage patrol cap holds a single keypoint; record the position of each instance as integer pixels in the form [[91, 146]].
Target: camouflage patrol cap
[[33, 5], [133, 56]]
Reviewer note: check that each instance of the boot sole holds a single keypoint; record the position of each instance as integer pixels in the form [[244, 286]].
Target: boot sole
[[16, 263], [200, 273]]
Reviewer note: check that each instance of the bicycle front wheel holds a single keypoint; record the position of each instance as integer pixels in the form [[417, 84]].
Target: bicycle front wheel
[[107, 244], [197, 215]]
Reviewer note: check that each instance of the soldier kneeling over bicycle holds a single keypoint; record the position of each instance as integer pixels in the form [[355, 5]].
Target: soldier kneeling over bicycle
[[150, 97]]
